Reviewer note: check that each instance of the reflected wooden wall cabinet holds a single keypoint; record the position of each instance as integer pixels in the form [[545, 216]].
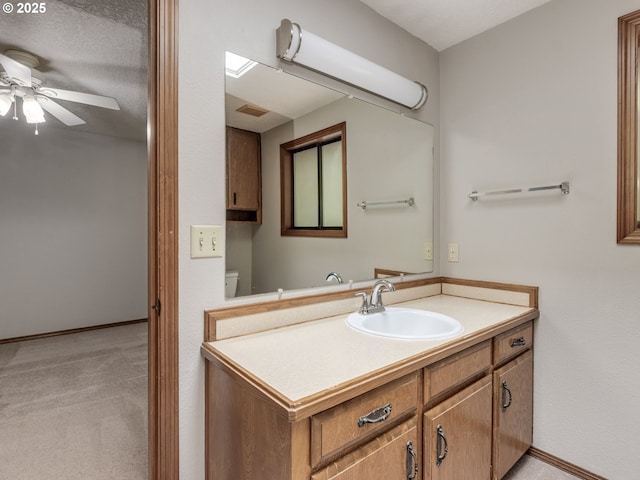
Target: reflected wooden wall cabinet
[[244, 174]]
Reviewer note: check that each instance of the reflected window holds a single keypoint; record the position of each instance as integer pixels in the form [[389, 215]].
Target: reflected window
[[313, 184]]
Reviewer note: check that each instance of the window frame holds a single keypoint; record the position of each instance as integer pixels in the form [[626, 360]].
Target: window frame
[[332, 133], [628, 221]]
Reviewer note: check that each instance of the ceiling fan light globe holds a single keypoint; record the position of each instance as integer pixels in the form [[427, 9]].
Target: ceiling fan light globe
[[32, 110], [5, 103]]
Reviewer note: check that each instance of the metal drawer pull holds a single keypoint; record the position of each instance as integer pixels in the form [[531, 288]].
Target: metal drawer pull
[[505, 390], [412, 462], [518, 342], [378, 415], [440, 455]]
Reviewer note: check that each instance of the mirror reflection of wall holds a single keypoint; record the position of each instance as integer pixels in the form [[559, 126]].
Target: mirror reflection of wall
[[389, 158]]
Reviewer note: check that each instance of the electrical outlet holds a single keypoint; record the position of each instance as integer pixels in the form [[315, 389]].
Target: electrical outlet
[[207, 241], [428, 251], [453, 254]]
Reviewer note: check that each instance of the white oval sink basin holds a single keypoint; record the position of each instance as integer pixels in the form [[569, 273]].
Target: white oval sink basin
[[406, 323]]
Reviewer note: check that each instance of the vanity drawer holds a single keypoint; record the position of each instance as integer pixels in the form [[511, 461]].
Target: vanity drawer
[[512, 343], [362, 417], [452, 373]]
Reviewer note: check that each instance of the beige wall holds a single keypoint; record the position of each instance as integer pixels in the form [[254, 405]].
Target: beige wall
[[73, 234], [533, 102], [247, 27]]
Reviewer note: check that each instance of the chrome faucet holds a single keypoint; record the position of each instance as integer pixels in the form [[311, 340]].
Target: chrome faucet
[[374, 304], [334, 275]]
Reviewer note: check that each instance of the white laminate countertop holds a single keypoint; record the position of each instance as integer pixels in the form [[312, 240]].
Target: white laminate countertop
[[303, 360]]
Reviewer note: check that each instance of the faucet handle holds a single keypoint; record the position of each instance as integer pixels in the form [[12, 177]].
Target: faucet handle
[[364, 308]]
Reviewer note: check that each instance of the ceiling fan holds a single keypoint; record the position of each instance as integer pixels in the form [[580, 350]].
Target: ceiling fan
[[20, 79]]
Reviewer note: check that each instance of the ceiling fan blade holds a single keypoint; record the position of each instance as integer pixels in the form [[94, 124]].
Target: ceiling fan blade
[[79, 97], [16, 70], [61, 113]]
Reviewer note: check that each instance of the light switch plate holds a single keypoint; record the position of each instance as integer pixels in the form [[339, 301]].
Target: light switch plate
[[207, 241]]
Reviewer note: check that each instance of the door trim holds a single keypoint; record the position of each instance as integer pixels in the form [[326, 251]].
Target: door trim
[[163, 239]]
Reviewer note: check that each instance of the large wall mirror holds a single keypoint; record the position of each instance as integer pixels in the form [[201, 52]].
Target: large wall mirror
[[389, 159], [628, 111]]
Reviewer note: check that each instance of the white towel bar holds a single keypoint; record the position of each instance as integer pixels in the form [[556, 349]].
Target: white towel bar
[[563, 187]]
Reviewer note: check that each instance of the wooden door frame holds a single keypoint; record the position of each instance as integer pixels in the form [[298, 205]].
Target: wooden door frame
[[163, 240]]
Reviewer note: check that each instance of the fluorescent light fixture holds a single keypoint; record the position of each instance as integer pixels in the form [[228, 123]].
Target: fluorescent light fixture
[[32, 110], [5, 103], [236, 66], [303, 47]]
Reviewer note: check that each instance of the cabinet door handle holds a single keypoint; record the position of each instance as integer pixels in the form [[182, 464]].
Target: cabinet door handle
[[412, 462], [505, 391], [378, 415], [518, 342], [235, 198], [440, 439]]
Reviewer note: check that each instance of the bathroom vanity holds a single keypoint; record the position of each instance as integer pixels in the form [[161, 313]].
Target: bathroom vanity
[[293, 392]]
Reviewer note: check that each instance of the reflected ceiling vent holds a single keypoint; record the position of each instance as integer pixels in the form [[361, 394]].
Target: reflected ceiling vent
[[252, 110]]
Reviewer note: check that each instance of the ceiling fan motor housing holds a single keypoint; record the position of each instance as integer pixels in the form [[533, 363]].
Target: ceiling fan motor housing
[[24, 58]]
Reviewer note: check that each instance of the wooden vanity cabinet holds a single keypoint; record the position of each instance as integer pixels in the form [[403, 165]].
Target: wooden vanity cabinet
[[466, 416], [244, 176]]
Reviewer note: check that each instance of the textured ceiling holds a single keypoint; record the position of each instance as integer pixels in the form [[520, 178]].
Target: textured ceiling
[[93, 47], [443, 23]]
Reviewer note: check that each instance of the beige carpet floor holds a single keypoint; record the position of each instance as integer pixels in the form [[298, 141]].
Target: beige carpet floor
[[529, 468], [75, 406]]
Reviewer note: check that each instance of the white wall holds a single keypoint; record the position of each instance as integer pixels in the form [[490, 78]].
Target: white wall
[[533, 102], [247, 27], [73, 234]]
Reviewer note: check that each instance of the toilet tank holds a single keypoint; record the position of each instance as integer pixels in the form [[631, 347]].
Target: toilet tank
[[230, 283]]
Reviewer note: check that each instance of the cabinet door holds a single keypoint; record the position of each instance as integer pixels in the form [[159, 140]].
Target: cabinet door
[[390, 456], [513, 412], [243, 170], [457, 435]]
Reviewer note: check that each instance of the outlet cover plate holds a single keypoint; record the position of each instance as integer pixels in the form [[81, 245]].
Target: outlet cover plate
[[453, 252], [428, 251]]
